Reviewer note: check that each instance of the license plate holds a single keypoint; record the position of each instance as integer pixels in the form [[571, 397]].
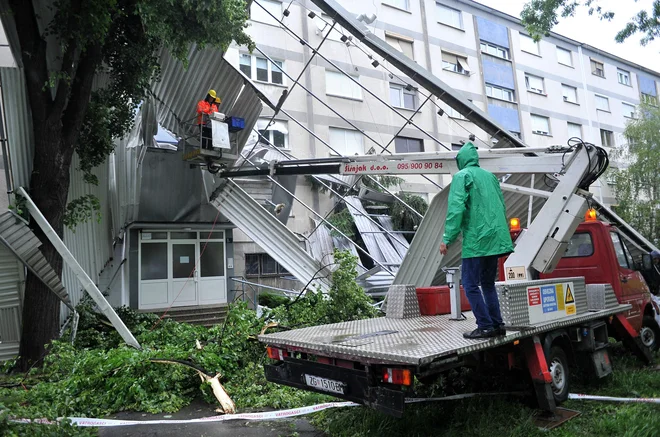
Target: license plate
[[325, 384]]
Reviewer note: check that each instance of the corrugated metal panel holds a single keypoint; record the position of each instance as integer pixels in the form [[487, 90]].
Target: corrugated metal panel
[[378, 245], [180, 89], [423, 262], [124, 185], [398, 241], [273, 236], [19, 239], [19, 132], [10, 305], [319, 244], [90, 242], [170, 191]]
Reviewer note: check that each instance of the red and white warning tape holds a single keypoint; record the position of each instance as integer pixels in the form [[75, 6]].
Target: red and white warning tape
[[268, 415], [612, 399], [281, 414]]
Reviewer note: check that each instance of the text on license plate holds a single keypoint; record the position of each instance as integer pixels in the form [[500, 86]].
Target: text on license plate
[[325, 384]]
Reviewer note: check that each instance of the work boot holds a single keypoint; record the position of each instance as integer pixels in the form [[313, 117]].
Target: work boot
[[500, 331], [479, 333]]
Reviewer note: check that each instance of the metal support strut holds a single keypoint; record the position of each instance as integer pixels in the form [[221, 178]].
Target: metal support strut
[[80, 273]]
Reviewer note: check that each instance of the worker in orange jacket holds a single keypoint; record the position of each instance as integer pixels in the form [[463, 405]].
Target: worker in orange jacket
[[204, 106]]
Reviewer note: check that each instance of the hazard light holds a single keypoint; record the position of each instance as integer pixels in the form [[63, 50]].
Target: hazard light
[[590, 216], [275, 353], [397, 376], [514, 224]]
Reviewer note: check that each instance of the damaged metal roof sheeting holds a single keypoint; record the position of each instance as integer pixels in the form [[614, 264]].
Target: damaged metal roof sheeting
[[273, 236], [398, 241], [179, 90], [423, 263], [320, 245], [375, 239]]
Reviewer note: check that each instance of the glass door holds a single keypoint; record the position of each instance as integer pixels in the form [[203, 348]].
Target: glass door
[[212, 276], [184, 276]]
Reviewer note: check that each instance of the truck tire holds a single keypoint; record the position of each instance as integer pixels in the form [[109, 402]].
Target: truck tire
[[559, 370], [650, 333]]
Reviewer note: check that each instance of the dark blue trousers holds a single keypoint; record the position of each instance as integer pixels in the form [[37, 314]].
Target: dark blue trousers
[[485, 305]]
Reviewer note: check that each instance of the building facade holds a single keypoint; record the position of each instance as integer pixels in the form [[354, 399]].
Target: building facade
[[545, 92]]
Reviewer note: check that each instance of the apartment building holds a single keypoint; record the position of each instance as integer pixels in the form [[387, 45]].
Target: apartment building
[[545, 92]]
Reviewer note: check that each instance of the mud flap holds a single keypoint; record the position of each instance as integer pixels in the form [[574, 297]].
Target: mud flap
[[538, 370], [631, 339]]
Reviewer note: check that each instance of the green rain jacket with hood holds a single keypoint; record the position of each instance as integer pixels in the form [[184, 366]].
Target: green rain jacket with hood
[[476, 208]]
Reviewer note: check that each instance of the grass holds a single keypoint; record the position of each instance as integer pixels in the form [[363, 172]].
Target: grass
[[495, 417]]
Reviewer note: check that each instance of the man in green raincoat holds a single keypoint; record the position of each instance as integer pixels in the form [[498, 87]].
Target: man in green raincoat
[[476, 208]]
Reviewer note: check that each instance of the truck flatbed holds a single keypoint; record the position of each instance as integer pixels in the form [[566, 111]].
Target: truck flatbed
[[414, 341]]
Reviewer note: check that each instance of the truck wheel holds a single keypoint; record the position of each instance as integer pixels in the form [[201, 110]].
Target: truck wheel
[[558, 367], [650, 333]]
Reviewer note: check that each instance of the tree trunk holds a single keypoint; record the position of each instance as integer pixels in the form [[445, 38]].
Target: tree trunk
[[49, 187]]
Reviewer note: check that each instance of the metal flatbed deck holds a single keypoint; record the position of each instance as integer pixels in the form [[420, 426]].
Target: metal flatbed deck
[[416, 341]]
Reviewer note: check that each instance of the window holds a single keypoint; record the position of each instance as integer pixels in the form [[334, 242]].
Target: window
[[262, 264], [455, 63], [569, 93], [540, 125], [346, 142], [452, 113], [527, 44], [534, 84], [564, 57], [628, 110], [257, 13], [246, 64], [456, 146], [602, 103], [402, 97], [324, 24], [276, 134], [408, 145], [338, 84], [619, 250], [403, 45], [649, 99], [624, 77], [607, 138], [153, 261], [450, 17], [597, 68], [580, 245], [401, 4], [494, 50], [499, 93], [262, 70], [574, 130]]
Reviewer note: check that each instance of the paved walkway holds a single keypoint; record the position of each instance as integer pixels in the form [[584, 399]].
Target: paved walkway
[[298, 427]]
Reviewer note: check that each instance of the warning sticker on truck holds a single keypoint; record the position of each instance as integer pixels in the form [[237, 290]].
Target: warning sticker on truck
[[549, 297], [534, 296], [550, 302]]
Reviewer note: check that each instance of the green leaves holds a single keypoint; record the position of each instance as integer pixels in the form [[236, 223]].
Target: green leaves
[[81, 210], [178, 24], [540, 16], [637, 182], [99, 375]]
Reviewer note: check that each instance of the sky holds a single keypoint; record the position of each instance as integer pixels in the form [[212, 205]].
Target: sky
[[600, 34]]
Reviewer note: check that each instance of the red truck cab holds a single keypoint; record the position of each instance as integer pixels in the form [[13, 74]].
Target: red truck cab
[[599, 253]]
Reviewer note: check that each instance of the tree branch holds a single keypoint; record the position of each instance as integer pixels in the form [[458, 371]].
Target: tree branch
[[81, 91], [67, 68], [33, 54]]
